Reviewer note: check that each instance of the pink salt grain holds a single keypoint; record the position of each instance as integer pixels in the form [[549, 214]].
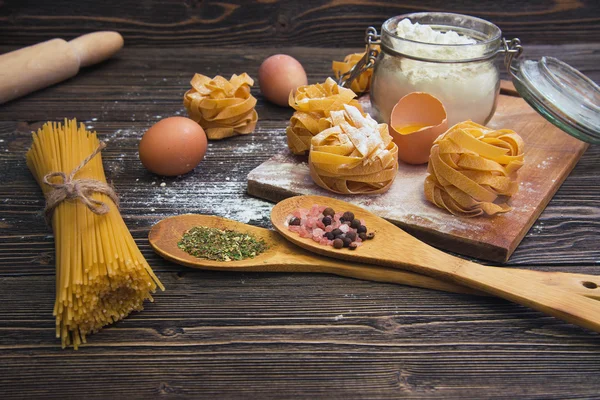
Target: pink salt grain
[[311, 225]]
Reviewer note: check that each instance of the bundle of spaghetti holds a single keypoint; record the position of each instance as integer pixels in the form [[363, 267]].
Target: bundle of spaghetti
[[101, 275], [313, 105], [354, 156], [222, 107], [362, 83], [471, 166]]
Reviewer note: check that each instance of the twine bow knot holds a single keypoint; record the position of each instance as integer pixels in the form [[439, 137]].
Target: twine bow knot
[[78, 189]]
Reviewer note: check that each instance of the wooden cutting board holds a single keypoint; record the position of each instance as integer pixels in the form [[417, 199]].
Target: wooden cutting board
[[550, 155]]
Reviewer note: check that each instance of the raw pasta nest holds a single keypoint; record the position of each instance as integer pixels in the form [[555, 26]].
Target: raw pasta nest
[[222, 107], [470, 166], [313, 105], [354, 156], [362, 84]]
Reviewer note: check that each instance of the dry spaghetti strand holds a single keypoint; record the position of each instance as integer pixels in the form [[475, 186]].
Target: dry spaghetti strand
[[101, 275]]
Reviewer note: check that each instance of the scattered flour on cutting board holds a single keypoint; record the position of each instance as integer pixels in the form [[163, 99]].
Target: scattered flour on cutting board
[[404, 202]]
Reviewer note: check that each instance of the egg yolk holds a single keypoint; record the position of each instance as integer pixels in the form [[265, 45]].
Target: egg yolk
[[410, 128]]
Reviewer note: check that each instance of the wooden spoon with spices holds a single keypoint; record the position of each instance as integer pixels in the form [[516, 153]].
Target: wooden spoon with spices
[[283, 256], [394, 248]]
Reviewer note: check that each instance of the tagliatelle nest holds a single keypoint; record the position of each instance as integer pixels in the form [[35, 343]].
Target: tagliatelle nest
[[356, 155], [362, 84], [222, 107], [470, 166], [313, 105]]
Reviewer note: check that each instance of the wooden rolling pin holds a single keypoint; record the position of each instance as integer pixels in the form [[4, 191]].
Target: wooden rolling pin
[[35, 67]]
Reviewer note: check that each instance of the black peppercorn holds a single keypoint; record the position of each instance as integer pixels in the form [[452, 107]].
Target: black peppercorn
[[351, 235], [329, 236], [337, 232], [295, 221], [361, 229], [355, 224], [370, 235], [362, 236], [346, 241], [338, 244], [352, 246], [326, 221], [328, 212]]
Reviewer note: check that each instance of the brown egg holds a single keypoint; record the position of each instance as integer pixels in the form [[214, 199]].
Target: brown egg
[[416, 121], [173, 146], [278, 75]]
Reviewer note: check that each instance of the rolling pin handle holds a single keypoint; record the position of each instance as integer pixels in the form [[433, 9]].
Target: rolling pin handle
[[95, 47]]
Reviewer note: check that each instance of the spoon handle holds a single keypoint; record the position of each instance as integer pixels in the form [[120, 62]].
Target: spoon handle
[[531, 292], [368, 273], [585, 285]]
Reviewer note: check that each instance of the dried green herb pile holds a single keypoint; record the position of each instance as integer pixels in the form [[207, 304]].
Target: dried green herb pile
[[220, 245]]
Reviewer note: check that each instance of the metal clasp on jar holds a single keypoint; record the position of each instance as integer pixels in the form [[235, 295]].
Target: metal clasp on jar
[[512, 50], [372, 41]]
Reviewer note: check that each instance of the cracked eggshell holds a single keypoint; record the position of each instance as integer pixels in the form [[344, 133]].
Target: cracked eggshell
[[417, 109]]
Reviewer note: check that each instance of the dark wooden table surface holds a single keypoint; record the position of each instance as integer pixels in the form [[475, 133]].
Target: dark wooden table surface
[[259, 335]]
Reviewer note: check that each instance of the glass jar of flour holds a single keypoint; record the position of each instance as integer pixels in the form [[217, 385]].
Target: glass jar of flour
[[449, 56], [453, 57]]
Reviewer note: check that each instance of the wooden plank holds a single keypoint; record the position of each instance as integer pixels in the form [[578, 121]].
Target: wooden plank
[[550, 156], [220, 334], [136, 86], [281, 23]]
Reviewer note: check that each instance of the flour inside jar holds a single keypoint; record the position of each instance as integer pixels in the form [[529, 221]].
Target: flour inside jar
[[468, 90]]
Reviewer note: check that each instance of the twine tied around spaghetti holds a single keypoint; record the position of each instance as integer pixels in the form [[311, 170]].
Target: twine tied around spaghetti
[[78, 189]]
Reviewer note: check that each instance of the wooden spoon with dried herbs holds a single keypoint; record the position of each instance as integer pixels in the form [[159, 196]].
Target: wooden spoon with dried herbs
[[278, 255]]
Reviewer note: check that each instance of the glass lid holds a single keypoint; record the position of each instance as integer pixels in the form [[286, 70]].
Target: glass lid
[[562, 94]]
